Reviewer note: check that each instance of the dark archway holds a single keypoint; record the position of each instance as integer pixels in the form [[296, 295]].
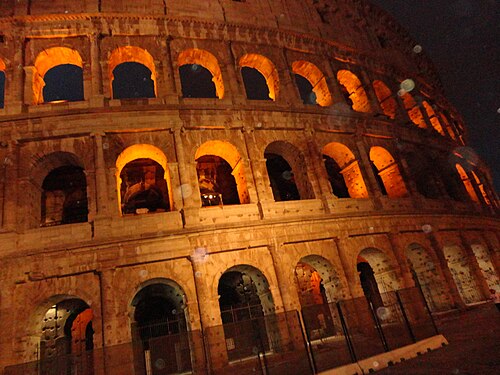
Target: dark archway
[[282, 178], [143, 188], [369, 283], [64, 196], [306, 92], [196, 82], [255, 84], [337, 181], [216, 181], [132, 80], [2, 89], [63, 83]]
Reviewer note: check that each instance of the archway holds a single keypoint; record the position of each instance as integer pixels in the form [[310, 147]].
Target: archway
[[413, 110], [385, 98], [159, 329], [260, 77], [287, 172], [464, 278], [481, 187], [377, 275], [343, 171], [66, 341], [132, 73], [487, 269], [64, 81], [433, 118], [200, 74], [467, 183], [424, 175], [427, 278], [221, 174], [312, 84], [387, 172], [2, 83], [64, 196], [143, 180], [246, 307], [354, 93], [318, 285]]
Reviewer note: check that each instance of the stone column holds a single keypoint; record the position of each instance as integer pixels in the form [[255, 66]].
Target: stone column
[[443, 263], [366, 83], [247, 163], [494, 254], [367, 172], [351, 273], [474, 265], [399, 253], [166, 86], [95, 68], [30, 74], [9, 164], [286, 288], [101, 182]]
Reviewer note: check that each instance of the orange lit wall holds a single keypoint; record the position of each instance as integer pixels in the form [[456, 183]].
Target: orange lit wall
[[388, 171], [356, 91], [317, 80], [413, 110], [387, 102], [266, 68]]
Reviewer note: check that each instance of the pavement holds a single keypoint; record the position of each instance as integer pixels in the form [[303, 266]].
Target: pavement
[[474, 345]]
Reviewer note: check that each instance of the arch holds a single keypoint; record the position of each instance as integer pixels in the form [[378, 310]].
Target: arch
[[127, 54], [317, 80], [447, 126], [49, 59], [487, 269], [2, 83], [424, 175], [385, 98], [428, 278], [413, 109], [247, 307], [433, 118], [377, 274], [195, 56], [482, 189], [463, 275], [142, 151], [287, 172], [388, 172], [266, 68], [229, 154], [349, 169], [160, 325], [353, 91], [467, 183]]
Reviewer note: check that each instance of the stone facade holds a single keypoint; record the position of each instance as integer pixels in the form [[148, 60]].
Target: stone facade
[[378, 114]]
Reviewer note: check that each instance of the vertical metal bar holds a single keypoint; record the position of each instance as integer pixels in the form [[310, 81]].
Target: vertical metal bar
[[378, 326], [405, 317], [307, 341], [347, 336]]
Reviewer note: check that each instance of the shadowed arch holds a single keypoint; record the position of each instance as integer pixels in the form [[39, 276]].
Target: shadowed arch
[[317, 80], [388, 172], [353, 91], [266, 68]]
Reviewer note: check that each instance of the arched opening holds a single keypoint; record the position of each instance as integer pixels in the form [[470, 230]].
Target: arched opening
[[59, 76], [64, 196], [353, 91], [387, 173], [159, 329], [311, 83], [487, 269], [467, 183], [318, 285], [424, 176], [200, 74], [466, 283], [132, 80], [385, 98], [221, 174], [427, 278], [433, 118], [244, 301], [413, 110], [343, 171], [2, 83], [287, 172], [482, 188], [66, 341], [450, 180], [132, 73], [260, 77], [143, 180], [143, 188], [447, 126], [377, 275]]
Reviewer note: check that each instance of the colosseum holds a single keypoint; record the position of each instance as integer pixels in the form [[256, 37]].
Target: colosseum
[[229, 186]]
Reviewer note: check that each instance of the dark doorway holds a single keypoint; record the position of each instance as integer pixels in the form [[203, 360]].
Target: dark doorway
[[255, 84], [196, 82], [216, 181], [282, 178], [369, 284], [132, 80], [337, 182], [63, 83], [2, 89], [306, 90], [380, 182]]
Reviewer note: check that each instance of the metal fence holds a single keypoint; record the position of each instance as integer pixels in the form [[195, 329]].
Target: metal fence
[[319, 338]]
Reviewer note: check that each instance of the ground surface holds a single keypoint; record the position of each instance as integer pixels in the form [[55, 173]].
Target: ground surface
[[474, 348]]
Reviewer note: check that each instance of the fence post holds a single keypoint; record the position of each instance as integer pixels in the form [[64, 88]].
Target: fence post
[[347, 336], [378, 326], [305, 337], [405, 317]]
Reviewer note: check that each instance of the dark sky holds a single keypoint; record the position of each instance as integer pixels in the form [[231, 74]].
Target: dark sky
[[462, 37]]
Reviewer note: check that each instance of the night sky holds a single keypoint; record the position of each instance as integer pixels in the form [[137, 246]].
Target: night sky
[[462, 38]]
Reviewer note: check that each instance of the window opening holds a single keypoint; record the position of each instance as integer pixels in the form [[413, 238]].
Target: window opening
[[196, 82], [306, 90], [282, 178], [63, 83], [132, 80], [216, 181], [337, 181], [255, 84]]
